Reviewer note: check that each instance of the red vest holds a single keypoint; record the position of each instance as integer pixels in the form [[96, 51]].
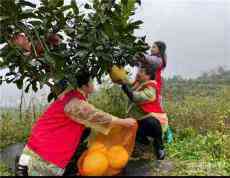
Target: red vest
[[55, 136], [159, 79], [152, 105]]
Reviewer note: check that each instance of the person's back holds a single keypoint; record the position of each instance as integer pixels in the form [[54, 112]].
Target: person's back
[[57, 132]]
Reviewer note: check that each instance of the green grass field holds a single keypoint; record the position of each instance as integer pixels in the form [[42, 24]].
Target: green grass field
[[199, 115]]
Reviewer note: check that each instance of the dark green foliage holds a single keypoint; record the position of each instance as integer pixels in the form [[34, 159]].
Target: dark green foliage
[[94, 39]]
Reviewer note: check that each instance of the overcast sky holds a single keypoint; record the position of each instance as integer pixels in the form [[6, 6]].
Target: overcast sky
[[197, 34]]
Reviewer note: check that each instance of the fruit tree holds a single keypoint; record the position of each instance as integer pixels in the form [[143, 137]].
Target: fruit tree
[[46, 43]]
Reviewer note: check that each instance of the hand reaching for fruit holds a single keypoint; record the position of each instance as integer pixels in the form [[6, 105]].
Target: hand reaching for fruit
[[118, 74]]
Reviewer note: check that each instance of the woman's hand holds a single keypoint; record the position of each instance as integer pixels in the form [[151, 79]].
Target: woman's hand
[[128, 122]]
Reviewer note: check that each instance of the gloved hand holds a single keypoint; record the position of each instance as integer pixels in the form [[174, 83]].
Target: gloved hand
[[169, 135]]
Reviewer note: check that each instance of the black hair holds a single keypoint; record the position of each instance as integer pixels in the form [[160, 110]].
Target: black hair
[[162, 48], [150, 69], [62, 84], [83, 78]]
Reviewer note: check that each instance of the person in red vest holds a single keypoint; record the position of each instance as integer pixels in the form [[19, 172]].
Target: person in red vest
[[57, 133], [146, 107], [157, 57]]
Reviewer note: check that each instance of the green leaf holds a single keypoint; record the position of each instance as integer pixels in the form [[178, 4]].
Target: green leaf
[[1, 80], [87, 6], [55, 3], [50, 97], [108, 28], [36, 23], [136, 24], [9, 80], [128, 7], [45, 2], [19, 83], [34, 86], [49, 58], [59, 60], [26, 3], [75, 7], [26, 15], [85, 44], [2, 40], [2, 18], [139, 2], [64, 8], [27, 88], [99, 48]]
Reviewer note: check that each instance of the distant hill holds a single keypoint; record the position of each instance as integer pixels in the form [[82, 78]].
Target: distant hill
[[206, 85], [216, 76]]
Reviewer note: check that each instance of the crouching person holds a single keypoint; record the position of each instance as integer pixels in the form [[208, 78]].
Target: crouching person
[[57, 133], [146, 108]]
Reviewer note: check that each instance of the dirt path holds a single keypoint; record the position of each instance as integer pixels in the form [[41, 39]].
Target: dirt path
[[143, 167]]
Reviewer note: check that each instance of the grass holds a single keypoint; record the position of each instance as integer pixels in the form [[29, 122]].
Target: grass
[[4, 171], [200, 155], [14, 130], [202, 140]]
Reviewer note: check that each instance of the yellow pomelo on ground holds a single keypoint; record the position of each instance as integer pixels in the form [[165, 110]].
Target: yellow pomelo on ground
[[117, 73], [118, 157], [95, 164]]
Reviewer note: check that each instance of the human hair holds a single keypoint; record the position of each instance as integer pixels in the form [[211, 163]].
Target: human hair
[[150, 70], [83, 78], [162, 48]]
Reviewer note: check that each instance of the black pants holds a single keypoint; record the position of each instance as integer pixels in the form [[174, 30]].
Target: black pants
[[150, 127], [71, 168]]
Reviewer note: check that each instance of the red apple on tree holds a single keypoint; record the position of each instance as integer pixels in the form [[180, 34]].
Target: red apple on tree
[[54, 39], [21, 40]]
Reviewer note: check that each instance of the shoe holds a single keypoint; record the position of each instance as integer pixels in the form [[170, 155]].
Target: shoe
[[21, 170], [160, 154]]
